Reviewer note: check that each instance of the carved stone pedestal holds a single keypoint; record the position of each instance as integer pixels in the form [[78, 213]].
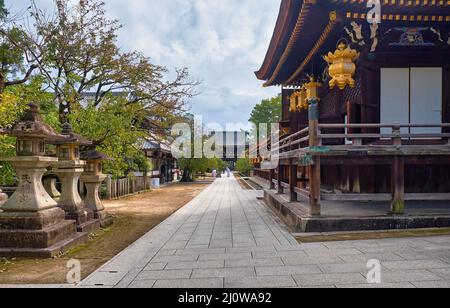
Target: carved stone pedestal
[[92, 199], [69, 173], [50, 187], [31, 224], [3, 197]]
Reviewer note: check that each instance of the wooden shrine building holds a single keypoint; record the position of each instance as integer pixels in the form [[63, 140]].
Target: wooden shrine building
[[366, 105]]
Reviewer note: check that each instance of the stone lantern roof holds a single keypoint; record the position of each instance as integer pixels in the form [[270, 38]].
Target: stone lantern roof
[[71, 138], [94, 155], [31, 125]]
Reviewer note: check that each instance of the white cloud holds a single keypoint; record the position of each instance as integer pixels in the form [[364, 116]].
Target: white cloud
[[221, 42]]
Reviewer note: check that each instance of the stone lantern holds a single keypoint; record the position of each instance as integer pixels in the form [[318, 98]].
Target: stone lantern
[[69, 169], [93, 177], [31, 224]]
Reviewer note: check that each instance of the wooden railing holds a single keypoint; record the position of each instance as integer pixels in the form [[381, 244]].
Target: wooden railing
[[297, 140], [397, 135]]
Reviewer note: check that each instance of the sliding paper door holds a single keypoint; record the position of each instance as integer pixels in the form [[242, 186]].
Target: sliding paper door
[[394, 97], [426, 98]]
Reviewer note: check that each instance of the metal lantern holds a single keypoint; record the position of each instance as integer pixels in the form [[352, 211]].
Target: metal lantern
[[341, 66], [312, 88], [302, 99], [293, 102]]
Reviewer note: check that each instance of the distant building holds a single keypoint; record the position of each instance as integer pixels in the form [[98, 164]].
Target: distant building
[[165, 166]]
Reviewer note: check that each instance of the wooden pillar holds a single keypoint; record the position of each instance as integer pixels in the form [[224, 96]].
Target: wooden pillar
[[398, 183], [314, 171], [355, 178], [280, 179], [292, 180], [272, 177]]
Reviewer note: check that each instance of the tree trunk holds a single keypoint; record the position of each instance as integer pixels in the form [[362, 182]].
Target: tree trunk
[[2, 83], [187, 176]]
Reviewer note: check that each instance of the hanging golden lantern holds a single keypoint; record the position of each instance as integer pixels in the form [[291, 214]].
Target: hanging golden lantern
[[342, 67], [312, 89], [302, 99], [293, 102]]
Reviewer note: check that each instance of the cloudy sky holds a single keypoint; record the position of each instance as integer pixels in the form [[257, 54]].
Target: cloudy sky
[[222, 42]]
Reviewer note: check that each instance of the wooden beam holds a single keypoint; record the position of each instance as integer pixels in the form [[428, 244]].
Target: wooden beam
[[357, 197]]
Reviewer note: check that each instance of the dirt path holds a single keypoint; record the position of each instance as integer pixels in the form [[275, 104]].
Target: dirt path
[[134, 217]]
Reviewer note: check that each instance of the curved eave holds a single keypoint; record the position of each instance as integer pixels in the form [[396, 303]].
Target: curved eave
[[311, 22], [287, 61], [286, 22]]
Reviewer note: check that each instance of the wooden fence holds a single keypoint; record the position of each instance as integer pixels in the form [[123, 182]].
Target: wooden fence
[[124, 187]]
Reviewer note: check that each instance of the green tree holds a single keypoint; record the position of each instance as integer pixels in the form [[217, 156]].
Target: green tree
[[268, 111], [81, 56], [114, 129], [16, 67], [13, 102], [244, 166]]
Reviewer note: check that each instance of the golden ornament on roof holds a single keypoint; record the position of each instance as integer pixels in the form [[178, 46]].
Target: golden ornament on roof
[[342, 67]]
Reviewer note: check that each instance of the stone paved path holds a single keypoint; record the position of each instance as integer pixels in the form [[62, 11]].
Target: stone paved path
[[226, 238]]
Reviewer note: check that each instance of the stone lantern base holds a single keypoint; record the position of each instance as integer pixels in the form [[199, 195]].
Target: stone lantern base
[[31, 224], [69, 173], [3, 197], [92, 199]]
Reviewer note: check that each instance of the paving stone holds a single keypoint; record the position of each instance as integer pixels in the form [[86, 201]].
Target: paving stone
[[287, 270], [224, 272], [407, 276], [164, 274], [366, 257], [286, 254], [196, 264], [260, 282], [142, 284], [184, 252], [410, 265], [214, 283], [305, 260], [432, 284], [442, 272], [327, 279], [343, 268], [399, 285], [333, 252], [254, 262], [165, 259], [226, 256], [104, 279], [155, 266]]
